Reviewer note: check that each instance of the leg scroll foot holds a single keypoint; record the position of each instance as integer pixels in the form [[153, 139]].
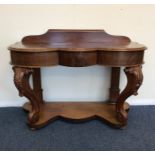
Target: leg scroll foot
[[134, 81], [21, 80]]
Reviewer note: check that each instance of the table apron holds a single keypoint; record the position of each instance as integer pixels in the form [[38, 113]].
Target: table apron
[[77, 59]]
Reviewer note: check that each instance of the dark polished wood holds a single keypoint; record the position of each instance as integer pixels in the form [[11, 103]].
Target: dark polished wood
[[114, 89], [21, 80], [36, 76], [77, 112], [134, 81], [77, 48]]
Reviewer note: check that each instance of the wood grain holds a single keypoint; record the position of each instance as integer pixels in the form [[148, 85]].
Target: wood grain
[[76, 112], [80, 59], [77, 48], [77, 41]]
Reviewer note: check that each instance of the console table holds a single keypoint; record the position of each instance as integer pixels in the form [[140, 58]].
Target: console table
[[77, 48]]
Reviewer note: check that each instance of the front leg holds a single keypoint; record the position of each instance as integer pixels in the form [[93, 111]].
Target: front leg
[[134, 81], [21, 80]]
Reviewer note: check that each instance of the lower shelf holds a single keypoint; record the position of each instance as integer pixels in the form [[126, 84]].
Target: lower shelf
[[76, 111]]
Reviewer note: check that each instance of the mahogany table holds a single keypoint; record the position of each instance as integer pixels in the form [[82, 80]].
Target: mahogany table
[[77, 48]]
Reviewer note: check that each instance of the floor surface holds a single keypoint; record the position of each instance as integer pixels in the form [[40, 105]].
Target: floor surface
[[92, 135]]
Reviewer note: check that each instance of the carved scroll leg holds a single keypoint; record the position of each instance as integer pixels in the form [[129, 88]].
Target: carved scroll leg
[[134, 81], [21, 80]]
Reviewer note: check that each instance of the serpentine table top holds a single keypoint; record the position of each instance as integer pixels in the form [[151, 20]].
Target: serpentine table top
[[77, 48]]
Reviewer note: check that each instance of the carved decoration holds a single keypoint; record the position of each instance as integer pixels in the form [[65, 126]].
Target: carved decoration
[[21, 80], [76, 48], [134, 81]]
